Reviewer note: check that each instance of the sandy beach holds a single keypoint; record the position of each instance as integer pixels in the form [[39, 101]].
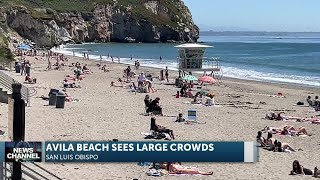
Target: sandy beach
[[105, 113]]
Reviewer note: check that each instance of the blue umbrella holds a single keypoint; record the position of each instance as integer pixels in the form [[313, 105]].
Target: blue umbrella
[[24, 47]]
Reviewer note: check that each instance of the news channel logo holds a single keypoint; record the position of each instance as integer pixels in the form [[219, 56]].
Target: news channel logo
[[23, 151]]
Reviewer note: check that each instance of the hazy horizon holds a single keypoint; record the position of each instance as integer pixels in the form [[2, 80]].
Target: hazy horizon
[[251, 15]]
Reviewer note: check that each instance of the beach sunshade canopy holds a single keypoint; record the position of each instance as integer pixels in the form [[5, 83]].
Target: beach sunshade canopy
[[24, 47], [207, 79], [190, 78]]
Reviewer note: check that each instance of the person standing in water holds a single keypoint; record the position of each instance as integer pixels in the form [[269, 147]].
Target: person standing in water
[[73, 53], [167, 74], [118, 59], [160, 58]]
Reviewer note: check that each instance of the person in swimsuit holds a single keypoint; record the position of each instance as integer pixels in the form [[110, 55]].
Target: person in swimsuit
[[299, 169], [167, 74], [177, 168], [160, 129], [260, 139]]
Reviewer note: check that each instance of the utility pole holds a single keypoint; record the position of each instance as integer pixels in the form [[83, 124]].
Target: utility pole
[[18, 125]]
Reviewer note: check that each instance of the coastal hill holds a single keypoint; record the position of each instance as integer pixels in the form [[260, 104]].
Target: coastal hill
[[52, 22]]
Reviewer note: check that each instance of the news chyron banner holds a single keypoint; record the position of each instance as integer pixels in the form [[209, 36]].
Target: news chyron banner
[[171, 151]]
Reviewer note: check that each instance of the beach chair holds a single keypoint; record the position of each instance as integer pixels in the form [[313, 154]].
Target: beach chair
[[192, 116]]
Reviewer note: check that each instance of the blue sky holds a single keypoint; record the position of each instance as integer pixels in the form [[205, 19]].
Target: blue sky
[[258, 15]]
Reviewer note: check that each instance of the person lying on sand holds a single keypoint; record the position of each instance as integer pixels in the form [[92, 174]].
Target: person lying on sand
[[282, 147], [312, 120], [287, 130], [176, 168], [161, 129], [113, 84], [298, 169], [280, 117]]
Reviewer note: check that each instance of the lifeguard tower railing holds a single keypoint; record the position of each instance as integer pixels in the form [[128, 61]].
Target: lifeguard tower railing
[[210, 67]]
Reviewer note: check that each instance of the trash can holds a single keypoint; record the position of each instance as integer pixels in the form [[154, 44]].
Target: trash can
[[52, 99], [18, 67], [28, 69], [61, 99], [53, 91]]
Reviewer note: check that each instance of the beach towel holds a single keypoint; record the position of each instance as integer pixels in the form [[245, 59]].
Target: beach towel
[[156, 135]]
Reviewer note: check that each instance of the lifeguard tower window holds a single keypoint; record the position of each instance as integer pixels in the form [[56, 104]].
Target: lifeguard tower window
[[191, 58]]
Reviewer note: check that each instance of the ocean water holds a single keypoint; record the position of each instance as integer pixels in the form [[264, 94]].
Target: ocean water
[[287, 59]]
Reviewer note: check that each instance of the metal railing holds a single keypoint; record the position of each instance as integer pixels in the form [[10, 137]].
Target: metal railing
[[29, 171], [6, 83]]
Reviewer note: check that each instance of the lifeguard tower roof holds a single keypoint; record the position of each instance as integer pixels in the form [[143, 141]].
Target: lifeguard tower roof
[[191, 56], [192, 45]]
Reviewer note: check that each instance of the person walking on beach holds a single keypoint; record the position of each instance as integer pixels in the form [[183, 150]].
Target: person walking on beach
[[23, 67], [118, 59], [49, 64], [73, 54], [112, 59], [167, 74], [100, 58], [87, 56], [84, 56], [128, 73], [138, 64]]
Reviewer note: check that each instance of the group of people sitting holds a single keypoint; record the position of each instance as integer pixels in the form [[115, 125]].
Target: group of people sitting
[[70, 83], [153, 106], [272, 144], [315, 103], [209, 99]]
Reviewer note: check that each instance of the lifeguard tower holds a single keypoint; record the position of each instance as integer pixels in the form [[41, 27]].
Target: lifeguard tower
[[191, 59]]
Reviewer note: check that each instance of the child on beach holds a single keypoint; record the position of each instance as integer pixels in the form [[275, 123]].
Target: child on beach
[[180, 118]]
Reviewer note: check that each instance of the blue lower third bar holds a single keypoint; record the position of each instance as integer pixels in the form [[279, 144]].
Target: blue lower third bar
[[150, 152]]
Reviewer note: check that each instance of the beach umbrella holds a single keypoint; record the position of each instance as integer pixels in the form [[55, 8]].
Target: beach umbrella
[[207, 79], [24, 47], [190, 78]]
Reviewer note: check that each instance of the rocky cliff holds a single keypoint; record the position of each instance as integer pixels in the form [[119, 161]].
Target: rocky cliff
[[107, 21]]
